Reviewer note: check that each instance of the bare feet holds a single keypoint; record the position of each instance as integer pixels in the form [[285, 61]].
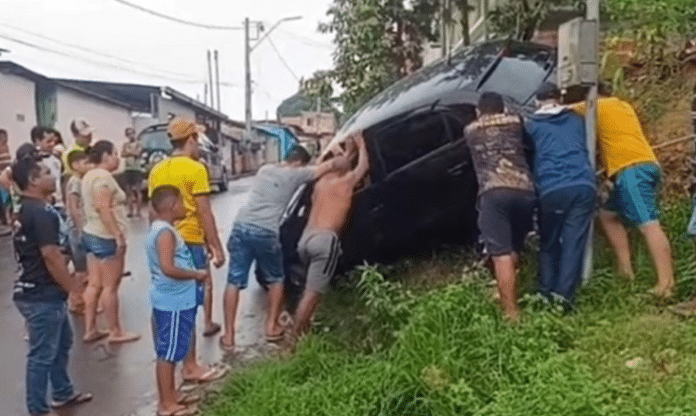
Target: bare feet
[[662, 292], [123, 337]]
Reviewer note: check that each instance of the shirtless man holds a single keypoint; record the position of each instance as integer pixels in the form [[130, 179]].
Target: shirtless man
[[319, 247]]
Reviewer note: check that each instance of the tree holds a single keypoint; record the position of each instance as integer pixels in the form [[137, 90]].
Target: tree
[[377, 42], [518, 19]]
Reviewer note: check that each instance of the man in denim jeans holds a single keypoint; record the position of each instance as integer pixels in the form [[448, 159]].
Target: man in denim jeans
[[255, 236], [41, 291]]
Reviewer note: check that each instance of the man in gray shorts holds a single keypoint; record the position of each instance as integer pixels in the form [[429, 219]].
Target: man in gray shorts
[[319, 247]]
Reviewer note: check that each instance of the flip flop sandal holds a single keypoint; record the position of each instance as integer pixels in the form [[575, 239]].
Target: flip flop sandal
[[275, 338], [77, 398], [98, 336], [227, 348], [186, 411], [190, 399], [212, 331], [211, 375]]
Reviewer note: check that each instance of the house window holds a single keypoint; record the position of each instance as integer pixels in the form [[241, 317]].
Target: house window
[[20, 117]]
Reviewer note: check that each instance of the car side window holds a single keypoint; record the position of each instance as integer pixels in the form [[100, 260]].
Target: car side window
[[412, 138]]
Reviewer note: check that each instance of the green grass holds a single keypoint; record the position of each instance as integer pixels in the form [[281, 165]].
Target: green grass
[[436, 345]]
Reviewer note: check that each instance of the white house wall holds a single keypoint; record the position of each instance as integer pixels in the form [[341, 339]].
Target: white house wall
[[169, 108], [109, 120], [17, 109]]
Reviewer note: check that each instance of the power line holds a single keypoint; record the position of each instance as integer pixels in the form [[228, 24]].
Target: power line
[[283, 59], [306, 41], [97, 63], [85, 49], [176, 19]]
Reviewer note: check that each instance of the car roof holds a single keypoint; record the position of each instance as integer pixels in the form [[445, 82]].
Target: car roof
[[460, 80]]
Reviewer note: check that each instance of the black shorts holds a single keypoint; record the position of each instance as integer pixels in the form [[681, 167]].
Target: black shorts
[[505, 218], [133, 179]]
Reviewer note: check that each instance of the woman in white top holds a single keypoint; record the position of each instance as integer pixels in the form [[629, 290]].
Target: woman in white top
[[104, 238]]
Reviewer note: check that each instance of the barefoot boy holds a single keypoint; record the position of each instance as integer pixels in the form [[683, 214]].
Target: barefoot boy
[[173, 296]]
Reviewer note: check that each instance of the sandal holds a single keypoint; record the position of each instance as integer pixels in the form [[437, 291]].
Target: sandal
[[190, 399], [211, 375], [184, 411], [96, 337], [77, 398], [274, 338], [214, 329], [227, 348]]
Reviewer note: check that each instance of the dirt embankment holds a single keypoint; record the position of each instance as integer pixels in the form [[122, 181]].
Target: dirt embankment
[[677, 159]]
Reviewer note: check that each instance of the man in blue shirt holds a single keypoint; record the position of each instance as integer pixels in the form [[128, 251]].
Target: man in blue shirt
[[566, 187]]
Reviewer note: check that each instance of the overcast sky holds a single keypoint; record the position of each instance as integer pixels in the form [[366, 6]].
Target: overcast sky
[[159, 52]]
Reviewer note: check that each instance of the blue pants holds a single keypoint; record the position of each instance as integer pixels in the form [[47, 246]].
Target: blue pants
[[565, 219], [248, 243], [50, 339]]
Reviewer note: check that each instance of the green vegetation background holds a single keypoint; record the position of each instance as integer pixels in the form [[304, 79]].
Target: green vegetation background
[[429, 340]]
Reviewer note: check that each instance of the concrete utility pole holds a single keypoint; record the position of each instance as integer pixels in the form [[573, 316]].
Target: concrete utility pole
[[591, 127], [247, 67], [217, 78], [247, 82], [210, 81]]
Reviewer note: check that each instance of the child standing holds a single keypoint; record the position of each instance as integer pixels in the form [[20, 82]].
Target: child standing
[[173, 296], [80, 165]]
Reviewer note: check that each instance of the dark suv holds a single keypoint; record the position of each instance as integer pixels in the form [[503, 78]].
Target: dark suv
[[156, 146], [421, 190]]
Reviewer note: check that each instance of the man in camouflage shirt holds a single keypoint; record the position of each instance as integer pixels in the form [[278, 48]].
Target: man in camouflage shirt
[[506, 195]]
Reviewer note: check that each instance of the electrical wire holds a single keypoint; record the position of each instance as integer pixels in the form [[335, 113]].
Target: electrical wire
[[285, 63], [178, 20], [85, 49], [306, 41], [113, 66], [97, 63]]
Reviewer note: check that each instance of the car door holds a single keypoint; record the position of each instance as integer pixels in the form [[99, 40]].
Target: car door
[[427, 185]]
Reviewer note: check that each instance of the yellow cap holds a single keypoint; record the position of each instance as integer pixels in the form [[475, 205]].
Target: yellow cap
[[181, 128]]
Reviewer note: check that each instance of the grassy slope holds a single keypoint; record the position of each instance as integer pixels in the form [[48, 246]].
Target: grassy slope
[[414, 346]]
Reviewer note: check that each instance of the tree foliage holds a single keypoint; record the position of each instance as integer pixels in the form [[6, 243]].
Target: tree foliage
[[518, 19], [377, 42]]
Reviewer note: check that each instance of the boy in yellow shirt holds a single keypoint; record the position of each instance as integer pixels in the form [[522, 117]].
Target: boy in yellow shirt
[[631, 165]]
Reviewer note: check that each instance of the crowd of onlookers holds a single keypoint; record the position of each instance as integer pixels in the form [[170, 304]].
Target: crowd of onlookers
[[69, 215]]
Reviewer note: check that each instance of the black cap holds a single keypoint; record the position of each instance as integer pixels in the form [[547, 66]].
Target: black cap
[[548, 91]]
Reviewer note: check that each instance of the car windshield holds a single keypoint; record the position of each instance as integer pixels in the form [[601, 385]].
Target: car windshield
[[156, 140]]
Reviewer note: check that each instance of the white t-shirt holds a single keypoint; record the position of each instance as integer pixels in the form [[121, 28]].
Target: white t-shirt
[[56, 167]]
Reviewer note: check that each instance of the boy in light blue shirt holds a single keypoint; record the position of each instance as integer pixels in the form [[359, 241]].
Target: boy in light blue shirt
[[173, 296]]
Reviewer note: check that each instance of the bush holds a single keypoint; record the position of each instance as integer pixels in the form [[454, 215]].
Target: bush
[[447, 351]]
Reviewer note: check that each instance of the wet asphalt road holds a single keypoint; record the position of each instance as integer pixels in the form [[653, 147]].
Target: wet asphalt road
[[122, 377]]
